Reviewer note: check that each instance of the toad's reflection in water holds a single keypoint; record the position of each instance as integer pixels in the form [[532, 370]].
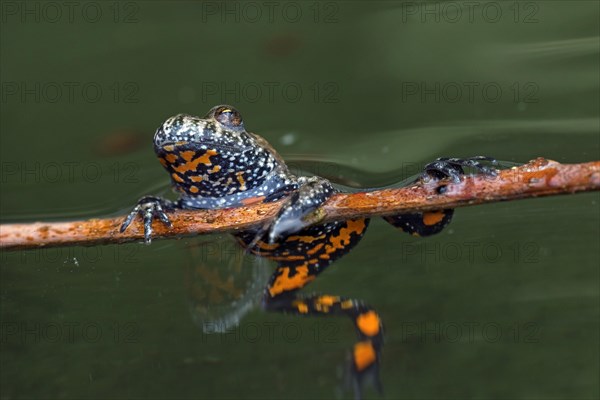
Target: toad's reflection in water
[[223, 283]]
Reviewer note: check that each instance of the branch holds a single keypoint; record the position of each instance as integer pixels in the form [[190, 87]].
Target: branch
[[539, 177]]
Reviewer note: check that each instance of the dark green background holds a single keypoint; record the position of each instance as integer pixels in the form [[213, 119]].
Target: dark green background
[[532, 275]]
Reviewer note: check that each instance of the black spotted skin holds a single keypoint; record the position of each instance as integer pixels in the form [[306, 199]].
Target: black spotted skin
[[215, 167], [214, 163], [422, 223]]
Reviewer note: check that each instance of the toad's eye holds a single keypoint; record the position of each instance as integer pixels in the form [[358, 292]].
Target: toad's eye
[[228, 116]]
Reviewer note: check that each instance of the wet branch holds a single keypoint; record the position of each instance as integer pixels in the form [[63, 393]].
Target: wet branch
[[539, 177]]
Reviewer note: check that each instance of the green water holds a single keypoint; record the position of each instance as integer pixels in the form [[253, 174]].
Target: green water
[[502, 304]]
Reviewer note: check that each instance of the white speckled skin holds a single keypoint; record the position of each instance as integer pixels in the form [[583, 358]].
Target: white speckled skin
[[215, 163]]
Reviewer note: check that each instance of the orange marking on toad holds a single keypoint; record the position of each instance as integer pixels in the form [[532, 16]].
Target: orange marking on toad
[[284, 282], [433, 217], [192, 165]]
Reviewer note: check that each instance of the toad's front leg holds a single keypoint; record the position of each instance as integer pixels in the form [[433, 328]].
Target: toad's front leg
[[150, 208], [300, 209]]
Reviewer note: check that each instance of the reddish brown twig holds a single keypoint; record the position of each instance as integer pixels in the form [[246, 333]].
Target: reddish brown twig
[[539, 177]]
